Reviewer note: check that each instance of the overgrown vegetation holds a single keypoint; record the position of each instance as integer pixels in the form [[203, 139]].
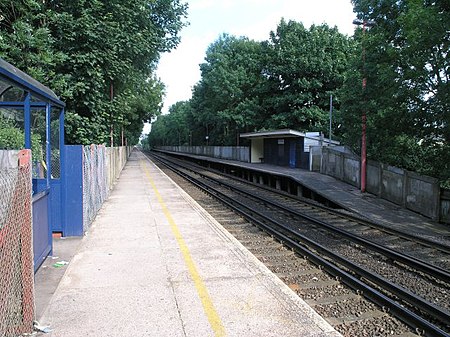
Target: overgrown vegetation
[[407, 98], [98, 55], [286, 82], [12, 137]]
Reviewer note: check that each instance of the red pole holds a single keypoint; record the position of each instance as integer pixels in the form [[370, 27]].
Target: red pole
[[363, 154], [364, 118]]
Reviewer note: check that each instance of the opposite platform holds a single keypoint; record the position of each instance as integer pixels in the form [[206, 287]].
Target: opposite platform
[[348, 197], [156, 264]]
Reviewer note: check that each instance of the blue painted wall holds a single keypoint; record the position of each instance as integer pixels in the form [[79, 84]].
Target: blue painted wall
[[41, 231], [72, 191]]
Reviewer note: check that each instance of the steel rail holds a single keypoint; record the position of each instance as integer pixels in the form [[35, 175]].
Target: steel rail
[[399, 311], [403, 258], [426, 242], [390, 253], [367, 222], [406, 295]]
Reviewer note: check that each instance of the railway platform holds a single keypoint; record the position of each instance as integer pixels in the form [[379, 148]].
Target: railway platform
[[154, 263], [348, 197]]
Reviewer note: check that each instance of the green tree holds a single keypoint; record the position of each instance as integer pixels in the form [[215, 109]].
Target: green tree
[[12, 137], [303, 68], [407, 96], [284, 82], [26, 42], [113, 48], [226, 101], [171, 129], [99, 55]]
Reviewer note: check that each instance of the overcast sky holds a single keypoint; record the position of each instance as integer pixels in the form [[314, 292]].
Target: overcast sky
[[208, 19]]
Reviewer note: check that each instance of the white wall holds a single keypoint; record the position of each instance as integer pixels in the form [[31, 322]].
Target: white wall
[[257, 150]]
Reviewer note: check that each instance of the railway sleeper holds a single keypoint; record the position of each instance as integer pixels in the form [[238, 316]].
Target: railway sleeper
[[319, 284], [266, 242], [234, 221], [333, 299], [334, 321], [297, 273], [268, 252], [244, 228]]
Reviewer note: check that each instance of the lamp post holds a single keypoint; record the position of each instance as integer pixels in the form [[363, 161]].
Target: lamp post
[[365, 24]]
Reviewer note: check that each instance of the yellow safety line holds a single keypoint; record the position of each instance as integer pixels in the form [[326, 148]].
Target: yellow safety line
[[208, 306]]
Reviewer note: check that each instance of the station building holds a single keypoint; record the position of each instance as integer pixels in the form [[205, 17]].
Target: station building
[[284, 147]]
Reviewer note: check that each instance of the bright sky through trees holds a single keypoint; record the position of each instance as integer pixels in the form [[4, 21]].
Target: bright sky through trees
[[179, 70]]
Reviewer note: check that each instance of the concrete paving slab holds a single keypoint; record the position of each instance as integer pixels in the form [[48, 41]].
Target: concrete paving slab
[[48, 277], [131, 275], [115, 311]]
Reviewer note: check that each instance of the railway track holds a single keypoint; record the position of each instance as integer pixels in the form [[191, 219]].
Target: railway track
[[355, 279]]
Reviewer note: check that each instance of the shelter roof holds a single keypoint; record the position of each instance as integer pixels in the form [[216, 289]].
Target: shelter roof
[[285, 133], [11, 76], [273, 134]]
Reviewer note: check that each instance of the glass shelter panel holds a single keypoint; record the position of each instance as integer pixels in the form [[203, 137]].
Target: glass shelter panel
[[12, 134], [54, 144], [38, 143]]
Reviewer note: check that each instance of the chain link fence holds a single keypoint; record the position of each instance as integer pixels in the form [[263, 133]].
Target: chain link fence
[[116, 160], [16, 252], [95, 187], [101, 168]]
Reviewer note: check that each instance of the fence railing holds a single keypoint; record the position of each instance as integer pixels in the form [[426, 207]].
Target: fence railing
[[101, 168], [239, 153], [408, 189], [16, 247], [115, 161]]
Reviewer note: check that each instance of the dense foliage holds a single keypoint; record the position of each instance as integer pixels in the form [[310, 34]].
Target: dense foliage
[[407, 97], [171, 129], [304, 68], [12, 137], [286, 81], [99, 55]]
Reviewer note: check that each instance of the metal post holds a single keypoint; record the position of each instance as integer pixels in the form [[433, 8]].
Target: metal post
[[111, 127], [27, 120], [47, 143], [48, 159], [363, 147], [365, 24], [62, 170], [331, 115], [364, 119]]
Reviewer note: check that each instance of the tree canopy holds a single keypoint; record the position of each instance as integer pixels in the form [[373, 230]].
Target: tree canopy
[[286, 82], [99, 55], [303, 68], [407, 98], [246, 85]]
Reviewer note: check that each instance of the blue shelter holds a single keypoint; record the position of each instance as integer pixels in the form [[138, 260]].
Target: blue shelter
[[39, 113]]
